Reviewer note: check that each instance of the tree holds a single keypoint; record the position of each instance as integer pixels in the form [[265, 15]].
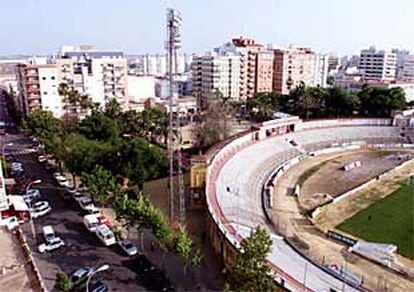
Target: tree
[[62, 282], [75, 102], [101, 184], [139, 161], [98, 126], [113, 109], [251, 271], [380, 102], [215, 123], [185, 248], [40, 124]]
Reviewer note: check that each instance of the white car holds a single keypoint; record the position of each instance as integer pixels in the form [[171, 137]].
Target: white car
[[86, 204], [41, 158], [61, 179], [11, 223], [31, 194], [40, 209], [128, 247], [51, 245], [16, 165]]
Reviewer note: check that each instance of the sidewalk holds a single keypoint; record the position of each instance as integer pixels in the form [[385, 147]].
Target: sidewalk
[[15, 275]]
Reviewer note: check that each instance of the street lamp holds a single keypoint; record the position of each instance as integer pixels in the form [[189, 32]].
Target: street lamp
[[97, 270], [4, 147], [37, 181], [33, 182]]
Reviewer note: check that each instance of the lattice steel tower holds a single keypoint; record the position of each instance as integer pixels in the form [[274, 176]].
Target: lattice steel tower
[[177, 196]]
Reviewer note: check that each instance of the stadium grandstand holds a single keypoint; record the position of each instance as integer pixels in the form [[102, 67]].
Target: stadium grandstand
[[236, 173]]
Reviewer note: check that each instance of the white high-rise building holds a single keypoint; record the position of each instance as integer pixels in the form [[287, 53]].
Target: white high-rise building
[[213, 74], [41, 89], [100, 75], [321, 70], [406, 72], [377, 64]]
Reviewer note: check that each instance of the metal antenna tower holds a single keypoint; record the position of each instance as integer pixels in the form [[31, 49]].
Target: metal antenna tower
[[173, 44]]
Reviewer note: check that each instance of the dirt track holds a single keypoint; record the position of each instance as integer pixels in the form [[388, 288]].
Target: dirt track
[[289, 221]]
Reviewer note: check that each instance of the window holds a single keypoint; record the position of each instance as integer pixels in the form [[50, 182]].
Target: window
[[45, 92], [53, 77], [43, 78]]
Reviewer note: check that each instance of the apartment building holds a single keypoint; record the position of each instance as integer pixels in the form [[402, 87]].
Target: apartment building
[[40, 89], [101, 75], [215, 73], [264, 73], [256, 65], [293, 67], [406, 71], [321, 70], [377, 64]]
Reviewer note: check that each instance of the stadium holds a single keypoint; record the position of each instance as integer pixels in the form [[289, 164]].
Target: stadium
[[251, 180]]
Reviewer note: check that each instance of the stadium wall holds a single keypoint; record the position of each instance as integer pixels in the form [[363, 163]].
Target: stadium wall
[[224, 238]]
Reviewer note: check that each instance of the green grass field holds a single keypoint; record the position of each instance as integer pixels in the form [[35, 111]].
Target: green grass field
[[390, 220]]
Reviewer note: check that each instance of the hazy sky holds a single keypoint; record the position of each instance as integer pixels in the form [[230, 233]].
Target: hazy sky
[[138, 26]]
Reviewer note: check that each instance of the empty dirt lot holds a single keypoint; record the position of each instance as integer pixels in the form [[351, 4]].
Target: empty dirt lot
[[330, 180]]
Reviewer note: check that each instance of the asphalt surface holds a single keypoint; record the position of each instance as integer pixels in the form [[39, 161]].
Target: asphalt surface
[[82, 248]]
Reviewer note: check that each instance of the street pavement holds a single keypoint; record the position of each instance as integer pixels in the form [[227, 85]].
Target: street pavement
[[82, 248]]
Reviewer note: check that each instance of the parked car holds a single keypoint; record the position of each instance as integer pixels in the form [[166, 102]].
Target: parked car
[[77, 196], [11, 223], [40, 209], [16, 165], [105, 234], [98, 286], [31, 194], [61, 179], [79, 276], [51, 245], [86, 204], [48, 233], [41, 158], [128, 247]]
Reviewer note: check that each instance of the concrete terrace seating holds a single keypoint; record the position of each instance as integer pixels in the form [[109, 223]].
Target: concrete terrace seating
[[345, 133], [240, 178]]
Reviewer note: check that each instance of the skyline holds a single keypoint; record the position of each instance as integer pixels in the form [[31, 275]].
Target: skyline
[[342, 27]]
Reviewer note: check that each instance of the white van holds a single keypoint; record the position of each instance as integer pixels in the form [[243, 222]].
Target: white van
[[48, 233], [105, 234], [91, 222]]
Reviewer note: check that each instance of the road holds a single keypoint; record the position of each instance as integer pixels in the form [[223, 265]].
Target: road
[[82, 248]]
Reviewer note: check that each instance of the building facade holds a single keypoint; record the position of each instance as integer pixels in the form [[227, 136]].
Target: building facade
[[406, 72], [40, 89], [213, 74], [377, 64], [293, 67]]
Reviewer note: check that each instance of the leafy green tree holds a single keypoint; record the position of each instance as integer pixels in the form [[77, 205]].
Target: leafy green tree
[[113, 109], [76, 103], [141, 161], [62, 282], [101, 184], [251, 271], [98, 126], [185, 249], [380, 102], [40, 124]]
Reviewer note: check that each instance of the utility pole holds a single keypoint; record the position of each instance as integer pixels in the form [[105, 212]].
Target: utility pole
[[173, 44]]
